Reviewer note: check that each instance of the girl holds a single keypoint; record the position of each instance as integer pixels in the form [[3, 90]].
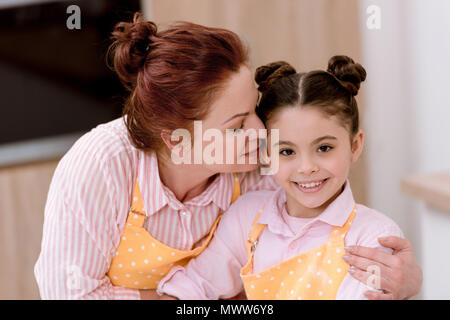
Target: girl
[[290, 243]]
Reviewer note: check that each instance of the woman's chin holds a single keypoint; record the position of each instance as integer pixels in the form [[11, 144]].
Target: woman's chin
[[235, 167]]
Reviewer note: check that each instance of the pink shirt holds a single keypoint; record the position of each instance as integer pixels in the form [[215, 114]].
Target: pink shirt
[[215, 273], [87, 206]]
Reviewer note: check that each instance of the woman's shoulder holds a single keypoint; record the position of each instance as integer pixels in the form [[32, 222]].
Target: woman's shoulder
[[102, 152], [106, 139]]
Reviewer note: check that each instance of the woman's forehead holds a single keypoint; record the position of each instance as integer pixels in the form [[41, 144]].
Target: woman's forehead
[[239, 95]]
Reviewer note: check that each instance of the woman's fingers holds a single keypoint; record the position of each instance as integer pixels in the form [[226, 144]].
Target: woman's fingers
[[363, 263], [395, 243], [373, 280], [373, 295], [376, 256]]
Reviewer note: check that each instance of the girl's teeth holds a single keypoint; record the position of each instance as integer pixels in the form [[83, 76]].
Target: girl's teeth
[[311, 185]]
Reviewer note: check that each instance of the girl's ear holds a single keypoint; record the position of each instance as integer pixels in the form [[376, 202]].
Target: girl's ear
[[357, 145]]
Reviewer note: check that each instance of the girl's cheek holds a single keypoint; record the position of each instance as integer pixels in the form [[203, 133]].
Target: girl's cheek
[[338, 166], [284, 172]]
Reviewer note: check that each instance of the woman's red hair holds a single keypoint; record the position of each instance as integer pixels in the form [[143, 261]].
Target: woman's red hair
[[172, 75]]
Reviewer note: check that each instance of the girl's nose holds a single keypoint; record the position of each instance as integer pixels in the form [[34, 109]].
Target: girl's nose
[[307, 166]]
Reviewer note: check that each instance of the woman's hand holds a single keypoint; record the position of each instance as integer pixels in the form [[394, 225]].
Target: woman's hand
[[167, 297], [149, 295], [400, 276], [152, 295]]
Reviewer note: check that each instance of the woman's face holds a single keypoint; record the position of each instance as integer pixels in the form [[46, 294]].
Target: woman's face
[[232, 111], [315, 154]]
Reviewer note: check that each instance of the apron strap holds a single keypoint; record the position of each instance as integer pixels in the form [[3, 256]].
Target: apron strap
[[337, 234], [136, 215], [254, 235], [236, 188]]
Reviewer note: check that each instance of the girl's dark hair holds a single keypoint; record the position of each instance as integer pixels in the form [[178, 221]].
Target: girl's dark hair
[[332, 91], [172, 75]]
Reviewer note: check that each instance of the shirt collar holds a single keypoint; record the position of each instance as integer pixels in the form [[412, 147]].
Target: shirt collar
[[152, 189], [220, 191], [336, 214]]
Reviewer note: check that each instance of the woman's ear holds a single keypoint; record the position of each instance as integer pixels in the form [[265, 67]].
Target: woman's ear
[[357, 145], [166, 137]]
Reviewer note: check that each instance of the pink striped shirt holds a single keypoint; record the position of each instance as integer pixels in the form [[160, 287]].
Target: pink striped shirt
[[87, 206]]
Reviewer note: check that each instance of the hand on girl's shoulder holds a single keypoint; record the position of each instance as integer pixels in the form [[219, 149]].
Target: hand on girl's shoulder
[[370, 224]]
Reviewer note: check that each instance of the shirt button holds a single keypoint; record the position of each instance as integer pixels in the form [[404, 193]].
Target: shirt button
[[183, 213], [292, 246]]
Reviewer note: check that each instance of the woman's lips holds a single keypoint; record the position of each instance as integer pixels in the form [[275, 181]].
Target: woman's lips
[[310, 186]]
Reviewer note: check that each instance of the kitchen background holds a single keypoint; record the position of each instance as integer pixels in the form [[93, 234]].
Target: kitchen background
[[55, 86]]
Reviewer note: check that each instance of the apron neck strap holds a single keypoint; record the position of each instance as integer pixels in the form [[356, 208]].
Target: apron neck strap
[[337, 234], [136, 215]]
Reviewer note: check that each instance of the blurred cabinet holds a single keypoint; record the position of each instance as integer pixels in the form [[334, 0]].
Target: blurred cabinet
[[23, 193]]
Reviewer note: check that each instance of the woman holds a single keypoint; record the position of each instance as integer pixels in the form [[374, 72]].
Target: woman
[[120, 213]]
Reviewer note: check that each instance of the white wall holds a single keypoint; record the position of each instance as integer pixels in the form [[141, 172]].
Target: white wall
[[406, 120]]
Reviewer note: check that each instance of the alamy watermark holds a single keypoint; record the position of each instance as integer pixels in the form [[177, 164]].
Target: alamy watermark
[[213, 152]]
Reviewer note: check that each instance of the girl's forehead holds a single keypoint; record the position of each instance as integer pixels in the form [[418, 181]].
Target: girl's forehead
[[303, 123]]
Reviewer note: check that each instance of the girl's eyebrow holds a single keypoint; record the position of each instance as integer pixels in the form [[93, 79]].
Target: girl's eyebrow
[[284, 142], [323, 138], [312, 143]]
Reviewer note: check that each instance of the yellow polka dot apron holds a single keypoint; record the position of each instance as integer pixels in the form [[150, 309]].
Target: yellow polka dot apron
[[141, 261], [313, 275]]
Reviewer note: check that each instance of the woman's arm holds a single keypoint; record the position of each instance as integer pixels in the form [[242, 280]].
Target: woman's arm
[[80, 227]]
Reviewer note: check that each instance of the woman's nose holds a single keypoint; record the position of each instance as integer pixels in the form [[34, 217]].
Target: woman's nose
[[254, 122]]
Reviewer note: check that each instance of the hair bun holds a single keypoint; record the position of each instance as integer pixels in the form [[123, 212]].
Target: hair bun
[[269, 73], [132, 41], [349, 73]]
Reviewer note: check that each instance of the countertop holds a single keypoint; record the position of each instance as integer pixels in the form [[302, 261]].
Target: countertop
[[433, 188]]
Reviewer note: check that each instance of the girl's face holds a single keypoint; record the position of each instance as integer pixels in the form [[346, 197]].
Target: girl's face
[[315, 154]]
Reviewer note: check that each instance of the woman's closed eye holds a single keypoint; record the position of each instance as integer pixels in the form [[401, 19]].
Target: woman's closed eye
[[236, 130]]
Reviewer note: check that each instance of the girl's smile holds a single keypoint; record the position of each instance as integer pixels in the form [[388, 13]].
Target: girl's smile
[[315, 158], [310, 186]]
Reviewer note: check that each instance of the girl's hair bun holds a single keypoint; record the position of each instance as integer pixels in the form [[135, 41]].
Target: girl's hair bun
[[269, 73], [132, 41], [349, 73]]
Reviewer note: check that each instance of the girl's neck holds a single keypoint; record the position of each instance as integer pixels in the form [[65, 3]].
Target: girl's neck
[[297, 210], [185, 181]]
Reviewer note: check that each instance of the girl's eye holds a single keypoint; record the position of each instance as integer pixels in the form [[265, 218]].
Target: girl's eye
[[324, 148], [286, 152]]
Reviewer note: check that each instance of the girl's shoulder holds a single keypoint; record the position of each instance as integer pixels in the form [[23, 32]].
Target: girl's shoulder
[[369, 224]]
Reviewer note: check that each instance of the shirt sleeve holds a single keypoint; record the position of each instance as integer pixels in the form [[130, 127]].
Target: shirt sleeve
[[353, 289], [215, 273], [80, 230]]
